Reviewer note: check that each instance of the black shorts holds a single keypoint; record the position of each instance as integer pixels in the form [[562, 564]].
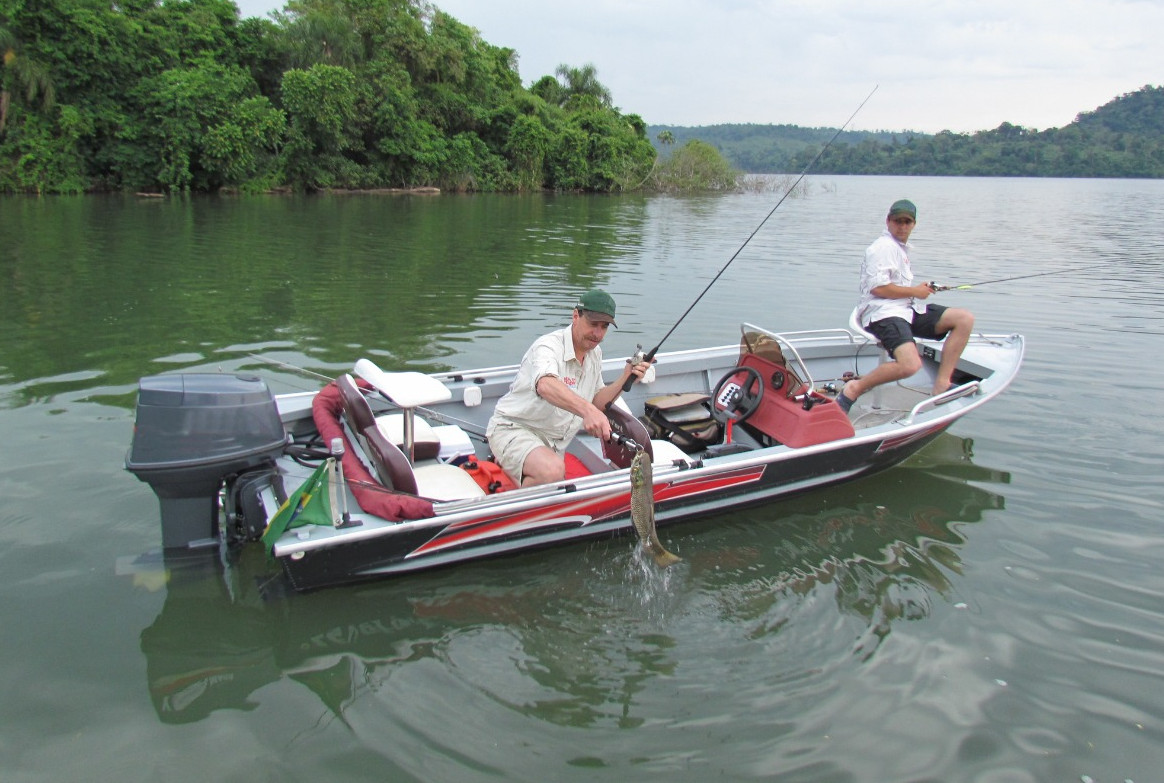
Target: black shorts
[[895, 332]]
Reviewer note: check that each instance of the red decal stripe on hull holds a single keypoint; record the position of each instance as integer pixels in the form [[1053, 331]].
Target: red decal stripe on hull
[[578, 513]]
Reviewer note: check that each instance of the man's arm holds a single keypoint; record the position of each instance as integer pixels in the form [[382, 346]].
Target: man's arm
[[894, 291], [551, 389], [593, 412], [609, 393]]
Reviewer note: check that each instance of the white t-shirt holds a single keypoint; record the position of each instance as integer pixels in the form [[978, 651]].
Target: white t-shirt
[[886, 262]]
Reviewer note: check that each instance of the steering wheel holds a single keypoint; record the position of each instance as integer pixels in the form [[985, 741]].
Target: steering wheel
[[738, 403]]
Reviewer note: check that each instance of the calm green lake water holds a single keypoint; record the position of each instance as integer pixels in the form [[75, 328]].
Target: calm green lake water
[[992, 611]]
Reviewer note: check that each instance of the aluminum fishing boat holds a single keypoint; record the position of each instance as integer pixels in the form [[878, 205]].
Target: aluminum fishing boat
[[400, 466]]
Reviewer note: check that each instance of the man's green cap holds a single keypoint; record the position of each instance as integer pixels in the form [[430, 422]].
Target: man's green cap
[[903, 207], [597, 305]]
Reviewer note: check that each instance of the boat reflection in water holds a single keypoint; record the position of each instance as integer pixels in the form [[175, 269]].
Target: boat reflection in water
[[887, 545]]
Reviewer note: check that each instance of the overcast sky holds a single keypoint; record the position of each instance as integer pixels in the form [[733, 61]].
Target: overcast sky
[[960, 65]]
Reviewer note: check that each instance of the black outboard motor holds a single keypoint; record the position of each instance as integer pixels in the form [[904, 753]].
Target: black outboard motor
[[192, 431]]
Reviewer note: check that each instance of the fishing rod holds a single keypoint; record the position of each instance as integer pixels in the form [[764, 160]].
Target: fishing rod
[[651, 355], [939, 287], [285, 366]]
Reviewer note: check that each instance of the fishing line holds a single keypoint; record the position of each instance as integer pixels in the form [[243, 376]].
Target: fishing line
[[938, 287], [284, 365], [648, 357]]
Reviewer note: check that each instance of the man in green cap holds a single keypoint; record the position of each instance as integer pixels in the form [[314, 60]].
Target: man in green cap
[[892, 309], [558, 391]]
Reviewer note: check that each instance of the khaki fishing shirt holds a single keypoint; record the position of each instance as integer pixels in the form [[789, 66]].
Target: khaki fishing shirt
[[521, 406]]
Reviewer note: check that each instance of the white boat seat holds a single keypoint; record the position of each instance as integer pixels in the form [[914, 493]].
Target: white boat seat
[[435, 481], [408, 390], [876, 396], [359, 416], [856, 328], [438, 481]]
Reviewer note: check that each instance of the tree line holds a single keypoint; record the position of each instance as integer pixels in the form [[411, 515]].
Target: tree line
[[1123, 138], [186, 96], [183, 95]]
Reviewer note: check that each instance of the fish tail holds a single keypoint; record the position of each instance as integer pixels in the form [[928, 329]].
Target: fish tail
[[664, 559]]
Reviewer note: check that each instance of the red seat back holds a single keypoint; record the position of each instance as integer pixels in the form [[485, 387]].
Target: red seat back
[[391, 466], [357, 412]]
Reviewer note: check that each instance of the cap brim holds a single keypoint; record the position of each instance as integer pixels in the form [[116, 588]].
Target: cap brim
[[594, 315]]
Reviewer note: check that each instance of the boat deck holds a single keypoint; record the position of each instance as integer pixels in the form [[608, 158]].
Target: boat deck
[[887, 403]]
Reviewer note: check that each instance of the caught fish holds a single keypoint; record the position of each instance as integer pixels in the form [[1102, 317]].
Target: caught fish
[[642, 507]]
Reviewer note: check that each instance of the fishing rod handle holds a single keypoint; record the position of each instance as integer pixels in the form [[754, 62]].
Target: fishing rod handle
[[637, 357]]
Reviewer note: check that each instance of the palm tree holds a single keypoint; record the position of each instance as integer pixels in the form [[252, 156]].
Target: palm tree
[[582, 81], [22, 74]]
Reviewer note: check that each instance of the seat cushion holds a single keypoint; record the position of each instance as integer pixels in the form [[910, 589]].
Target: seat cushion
[[667, 452], [438, 481], [426, 442]]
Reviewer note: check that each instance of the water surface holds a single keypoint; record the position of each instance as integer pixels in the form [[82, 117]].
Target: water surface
[[991, 611]]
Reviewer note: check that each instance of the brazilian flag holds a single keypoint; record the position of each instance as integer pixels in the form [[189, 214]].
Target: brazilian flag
[[314, 503]]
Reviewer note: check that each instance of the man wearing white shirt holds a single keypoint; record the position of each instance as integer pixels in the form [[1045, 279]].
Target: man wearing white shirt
[[557, 392], [892, 309]]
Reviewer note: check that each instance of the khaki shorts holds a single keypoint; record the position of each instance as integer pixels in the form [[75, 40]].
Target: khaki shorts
[[511, 444]]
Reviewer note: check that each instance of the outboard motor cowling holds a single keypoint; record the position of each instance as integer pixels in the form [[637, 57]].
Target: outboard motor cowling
[[193, 430]]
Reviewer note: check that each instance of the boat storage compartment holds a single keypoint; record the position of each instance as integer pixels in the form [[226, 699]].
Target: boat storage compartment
[[784, 419], [193, 430]]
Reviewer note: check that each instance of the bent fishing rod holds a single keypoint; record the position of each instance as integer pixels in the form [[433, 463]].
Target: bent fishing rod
[[639, 355], [940, 287]]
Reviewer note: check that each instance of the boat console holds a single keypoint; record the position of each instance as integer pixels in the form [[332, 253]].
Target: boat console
[[796, 417]]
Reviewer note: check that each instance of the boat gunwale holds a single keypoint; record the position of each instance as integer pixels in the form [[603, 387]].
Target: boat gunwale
[[614, 482]]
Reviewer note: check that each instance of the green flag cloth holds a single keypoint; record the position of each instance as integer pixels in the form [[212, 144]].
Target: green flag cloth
[[314, 503]]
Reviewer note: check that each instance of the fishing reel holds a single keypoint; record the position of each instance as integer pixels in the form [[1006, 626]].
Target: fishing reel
[[938, 286], [638, 357], [626, 440]]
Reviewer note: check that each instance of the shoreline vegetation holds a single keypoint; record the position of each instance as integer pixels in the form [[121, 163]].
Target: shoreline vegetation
[[154, 97], [1124, 138]]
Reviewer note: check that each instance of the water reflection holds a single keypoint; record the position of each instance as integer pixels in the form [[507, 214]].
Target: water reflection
[[402, 278], [569, 636], [886, 545]]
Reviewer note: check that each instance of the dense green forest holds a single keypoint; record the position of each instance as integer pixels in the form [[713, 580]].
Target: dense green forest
[[1123, 138], [183, 95]]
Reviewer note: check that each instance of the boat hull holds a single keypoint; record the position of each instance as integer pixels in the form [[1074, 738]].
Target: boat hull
[[796, 439], [685, 495]]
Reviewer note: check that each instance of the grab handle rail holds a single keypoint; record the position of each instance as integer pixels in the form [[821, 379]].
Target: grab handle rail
[[965, 390], [784, 342]]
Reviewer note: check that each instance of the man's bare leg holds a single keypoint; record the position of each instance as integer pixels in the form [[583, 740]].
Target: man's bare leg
[[542, 466], [956, 324], [906, 362]]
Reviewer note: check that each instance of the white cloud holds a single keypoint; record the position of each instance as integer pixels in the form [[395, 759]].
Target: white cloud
[[953, 64]]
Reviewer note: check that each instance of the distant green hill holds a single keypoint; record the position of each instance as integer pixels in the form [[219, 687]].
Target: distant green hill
[[760, 149], [1123, 138]]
